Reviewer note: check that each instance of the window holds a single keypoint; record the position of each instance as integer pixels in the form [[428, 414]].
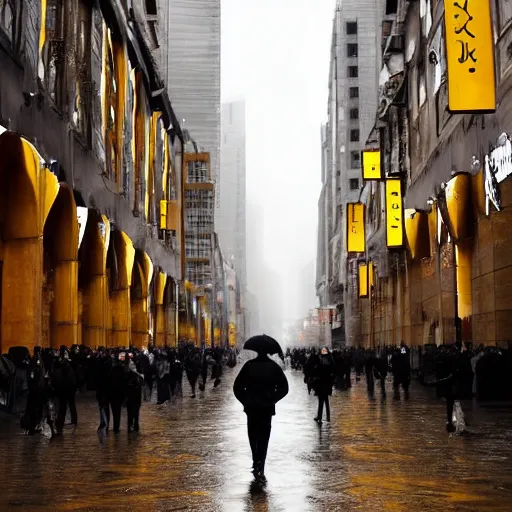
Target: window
[[53, 51], [354, 92], [391, 6], [353, 71], [354, 113], [351, 28], [151, 7], [355, 160], [354, 183], [354, 135], [352, 50], [82, 86]]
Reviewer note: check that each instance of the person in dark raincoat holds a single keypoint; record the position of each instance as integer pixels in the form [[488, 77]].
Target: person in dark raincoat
[[103, 367], [117, 389], [36, 393], [193, 369], [134, 384], [260, 384], [64, 383], [322, 383]]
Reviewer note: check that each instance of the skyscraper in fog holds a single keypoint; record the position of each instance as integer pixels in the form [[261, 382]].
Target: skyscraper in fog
[[230, 216], [193, 70]]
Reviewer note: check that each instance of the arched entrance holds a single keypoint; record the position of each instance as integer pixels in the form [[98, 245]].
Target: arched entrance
[[120, 261], [93, 281], [27, 193], [60, 243], [141, 280]]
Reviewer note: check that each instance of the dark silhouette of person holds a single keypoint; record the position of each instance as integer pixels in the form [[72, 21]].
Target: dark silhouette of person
[[322, 383], [260, 384], [64, 382]]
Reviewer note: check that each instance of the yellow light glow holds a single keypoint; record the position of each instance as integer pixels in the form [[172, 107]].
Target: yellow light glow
[[371, 165], [394, 214], [363, 280], [470, 56], [355, 228]]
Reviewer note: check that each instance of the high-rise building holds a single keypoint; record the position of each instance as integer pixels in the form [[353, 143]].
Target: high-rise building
[[230, 215], [353, 85], [193, 70]]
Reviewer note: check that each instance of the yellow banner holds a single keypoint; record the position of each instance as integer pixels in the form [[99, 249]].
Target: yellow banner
[[470, 56], [371, 277], [355, 227], [363, 280], [371, 165], [394, 214]]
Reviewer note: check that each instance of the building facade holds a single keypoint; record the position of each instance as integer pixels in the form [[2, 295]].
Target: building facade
[[450, 279], [230, 215], [352, 102], [90, 150], [193, 70]]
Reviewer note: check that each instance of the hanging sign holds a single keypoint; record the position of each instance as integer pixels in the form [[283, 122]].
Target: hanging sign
[[498, 166], [470, 56], [363, 280], [355, 228], [372, 169], [394, 214], [371, 278]]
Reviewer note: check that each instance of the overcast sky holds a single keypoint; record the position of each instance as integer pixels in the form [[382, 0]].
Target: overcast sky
[[275, 54]]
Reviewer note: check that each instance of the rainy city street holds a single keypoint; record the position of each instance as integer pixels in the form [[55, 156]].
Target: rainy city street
[[193, 455]]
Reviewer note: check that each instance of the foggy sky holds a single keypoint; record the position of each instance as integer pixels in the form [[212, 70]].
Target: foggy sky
[[275, 54]]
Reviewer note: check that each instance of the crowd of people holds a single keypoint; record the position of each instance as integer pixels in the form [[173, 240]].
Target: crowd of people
[[458, 371], [119, 377]]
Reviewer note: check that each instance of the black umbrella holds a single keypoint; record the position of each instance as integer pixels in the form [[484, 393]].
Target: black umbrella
[[264, 344]]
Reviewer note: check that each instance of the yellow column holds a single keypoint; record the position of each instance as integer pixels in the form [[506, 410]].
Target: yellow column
[[160, 340], [65, 305], [170, 325], [121, 318], [463, 257], [140, 323], [96, 317], [96, 308], [22, 299]]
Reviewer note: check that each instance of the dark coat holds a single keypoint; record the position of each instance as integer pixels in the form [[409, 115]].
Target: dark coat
[[323, 376], [260, 384]]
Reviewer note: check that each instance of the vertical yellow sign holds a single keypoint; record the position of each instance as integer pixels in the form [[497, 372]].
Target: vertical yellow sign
[[394, 214], [372, 169], [470, 56], [355, 227], [363, 280], [371, 277]]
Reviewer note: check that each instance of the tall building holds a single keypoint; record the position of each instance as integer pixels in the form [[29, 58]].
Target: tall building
[[353, 79], [230, 215], [193, 70]]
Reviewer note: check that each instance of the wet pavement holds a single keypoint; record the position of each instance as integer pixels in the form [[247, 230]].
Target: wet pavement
[[375, 455]]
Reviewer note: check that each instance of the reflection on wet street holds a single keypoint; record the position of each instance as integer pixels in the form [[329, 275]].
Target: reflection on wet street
[[194, 455]]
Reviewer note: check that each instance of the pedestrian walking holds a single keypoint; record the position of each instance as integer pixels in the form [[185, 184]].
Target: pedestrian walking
[[134, 384], [260, 384], [64, 382], [322, 384]]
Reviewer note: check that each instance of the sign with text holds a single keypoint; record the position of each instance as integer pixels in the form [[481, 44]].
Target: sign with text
[[355, 228], [372, 169], [498, 167], [470, 56], [394, 214], [363, 280]]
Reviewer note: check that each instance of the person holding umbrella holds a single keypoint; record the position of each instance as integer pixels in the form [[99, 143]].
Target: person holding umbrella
[[260, 384]]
